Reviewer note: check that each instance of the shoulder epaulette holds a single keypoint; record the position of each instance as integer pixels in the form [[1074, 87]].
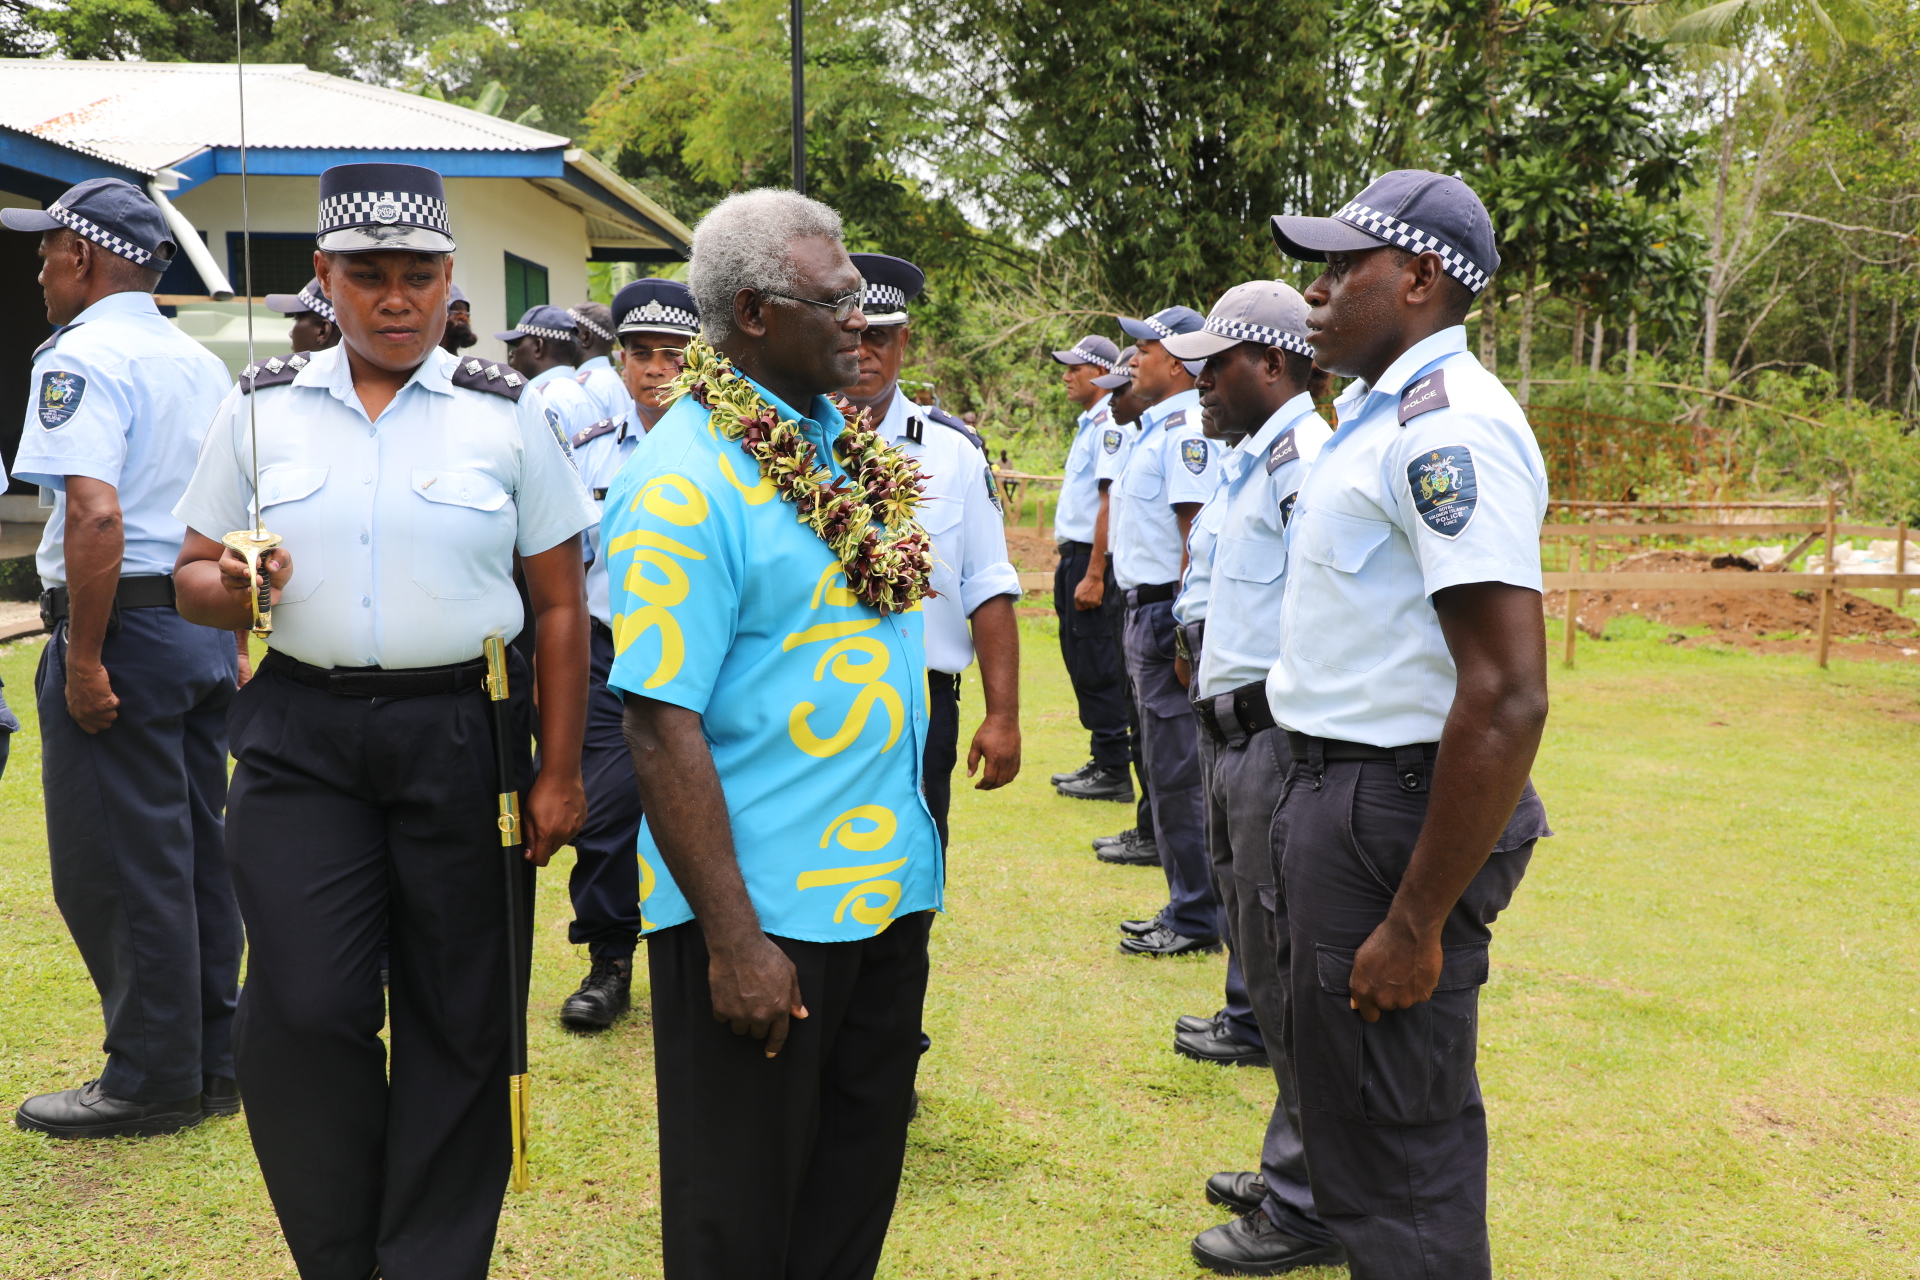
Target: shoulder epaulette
[[483, 375], [1424, 396], [1284, 449], [946, 419], [274, 371], [604, 427], [1178, 418], [54, 337]]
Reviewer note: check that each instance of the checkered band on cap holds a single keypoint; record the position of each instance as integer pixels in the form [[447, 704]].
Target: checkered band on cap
[[1414, 240], [383, 209], [883, 299], [1265, 335], [315, 303], [1157, 327], [99, 234], [541, 331], [1087, 357], [587, 324], [656, 312]]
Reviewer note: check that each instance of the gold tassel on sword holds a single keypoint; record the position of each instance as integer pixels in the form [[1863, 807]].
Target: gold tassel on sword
[[519, 1085]]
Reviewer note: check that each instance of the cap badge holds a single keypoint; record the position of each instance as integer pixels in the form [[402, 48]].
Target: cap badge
[[386, 213]]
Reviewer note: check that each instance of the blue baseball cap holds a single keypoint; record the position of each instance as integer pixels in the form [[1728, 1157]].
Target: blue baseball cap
[[455, 298], [1163, 324], [1092, 349], [891, 283], [1122, 371], [1413, 209], [365, 208], [556, 324], [308, 299], [654, 305], [114, 214]]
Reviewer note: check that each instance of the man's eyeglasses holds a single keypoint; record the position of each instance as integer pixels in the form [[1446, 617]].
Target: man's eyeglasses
[[842, 308]]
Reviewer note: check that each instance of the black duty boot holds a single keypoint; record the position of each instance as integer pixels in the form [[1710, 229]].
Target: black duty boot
[[219, 1096], [1163, 941], [1140, 851], [1240, 1192], [1076, 775], [1195, 1023], [92, 1112], [604, 994], [1130, 836], [1218, 1045], [1099, 784], [1253, 1246]]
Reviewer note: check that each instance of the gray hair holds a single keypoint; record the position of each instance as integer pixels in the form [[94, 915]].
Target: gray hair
[[742, 244]]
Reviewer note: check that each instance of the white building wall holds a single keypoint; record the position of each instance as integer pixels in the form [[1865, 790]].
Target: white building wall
[[491, 217]]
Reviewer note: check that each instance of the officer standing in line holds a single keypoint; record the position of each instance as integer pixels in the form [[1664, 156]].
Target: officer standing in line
[[1135, 845], [1412, 684], [1171, 471], [132, 696], [1256, 388], [975, 585], [403, 480], [313, 327], [1082, 578], [460, 334], [545, 350], [659, 317], [593, 322]]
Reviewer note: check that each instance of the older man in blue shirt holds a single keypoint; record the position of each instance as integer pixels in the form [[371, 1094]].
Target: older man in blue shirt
[[778, 720], [132, 697]]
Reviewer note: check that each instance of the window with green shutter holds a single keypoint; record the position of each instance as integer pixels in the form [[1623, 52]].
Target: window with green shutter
[[526, 287]]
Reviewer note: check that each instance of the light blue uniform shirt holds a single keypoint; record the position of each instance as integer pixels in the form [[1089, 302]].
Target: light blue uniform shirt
[[1196, 587], [1080, 492], [601, 381], [1171, 462], [600, 453], [123, 397], [1431, 480], [815, 705], [566, 404], [1261, 477], [402, 530], [958, 511]]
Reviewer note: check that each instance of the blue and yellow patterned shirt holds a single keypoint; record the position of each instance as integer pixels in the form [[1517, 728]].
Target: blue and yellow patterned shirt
[[814, 704]]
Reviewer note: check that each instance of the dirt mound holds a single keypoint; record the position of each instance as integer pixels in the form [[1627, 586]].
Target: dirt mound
[[1758, 619]]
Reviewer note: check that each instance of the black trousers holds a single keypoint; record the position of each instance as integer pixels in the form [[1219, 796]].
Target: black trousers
[[1391, 1115], [138, 857], [1094, 665], [786, 1168], [1114, 606], [943, 746], [350, 820], [605, 884]]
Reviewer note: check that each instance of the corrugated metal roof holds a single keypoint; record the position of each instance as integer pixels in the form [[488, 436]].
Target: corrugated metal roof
[[153, 114]]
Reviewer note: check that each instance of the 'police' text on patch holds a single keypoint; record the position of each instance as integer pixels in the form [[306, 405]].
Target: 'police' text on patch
[[1444, 492], [1424, 396], [1193, 453], [60, 393]]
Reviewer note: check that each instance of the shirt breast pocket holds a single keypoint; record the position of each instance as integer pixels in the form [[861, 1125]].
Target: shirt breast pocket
[[940, 517], [289, 507], [1250, 560], [1341, 612], [1141, 482], [463, 527]]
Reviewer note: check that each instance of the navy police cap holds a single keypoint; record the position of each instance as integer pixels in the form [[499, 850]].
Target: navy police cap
[[891, 284], [1413, 209], [1122, 371], [1092, 349], [368, 207], [115, 215], [1163, 324], [654, 305], [553, 323], [308, 299]]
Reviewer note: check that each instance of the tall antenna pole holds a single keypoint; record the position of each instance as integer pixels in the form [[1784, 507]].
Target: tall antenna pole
[[796, 22]]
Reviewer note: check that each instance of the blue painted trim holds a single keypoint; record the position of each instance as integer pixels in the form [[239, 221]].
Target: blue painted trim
[[582, 182], [310, 161], [61, 165], [194, 170], [602, 253]]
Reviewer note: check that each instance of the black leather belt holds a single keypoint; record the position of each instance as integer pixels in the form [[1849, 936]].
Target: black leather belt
[[945, 679], [378, 682], [1410, 762], [148, 591], [1076, 548], [1139, 597], [1232, 717]]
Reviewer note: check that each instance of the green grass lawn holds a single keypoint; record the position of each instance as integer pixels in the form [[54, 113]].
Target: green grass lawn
[[1699, 1042]]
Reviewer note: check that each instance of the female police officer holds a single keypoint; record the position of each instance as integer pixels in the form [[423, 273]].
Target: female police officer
[[403, 480]]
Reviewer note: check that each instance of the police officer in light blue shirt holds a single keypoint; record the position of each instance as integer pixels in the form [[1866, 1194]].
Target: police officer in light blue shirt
[[595, 330], [604, 886], [404, 480], [1171, 471], [975, 585], [1411, 679], [1256, 389], [1083, 577], [132, 697], [544, 348]]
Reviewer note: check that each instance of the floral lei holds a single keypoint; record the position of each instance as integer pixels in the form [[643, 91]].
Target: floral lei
[[869, 524]]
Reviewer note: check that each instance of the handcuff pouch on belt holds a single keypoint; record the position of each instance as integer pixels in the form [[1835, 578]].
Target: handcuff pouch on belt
[[1231, 718]]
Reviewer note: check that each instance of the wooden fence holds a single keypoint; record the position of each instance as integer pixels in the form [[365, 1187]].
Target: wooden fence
[[1602, 457]]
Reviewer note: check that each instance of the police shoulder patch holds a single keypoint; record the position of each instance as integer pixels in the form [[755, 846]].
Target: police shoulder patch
[[1287, 504], [993, 491], [560, 438], [274, 371], [1194, 455], [483, 375], [59, 397], [1444, 491], [1284, 449], [1110, 439], [1424, 396]]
